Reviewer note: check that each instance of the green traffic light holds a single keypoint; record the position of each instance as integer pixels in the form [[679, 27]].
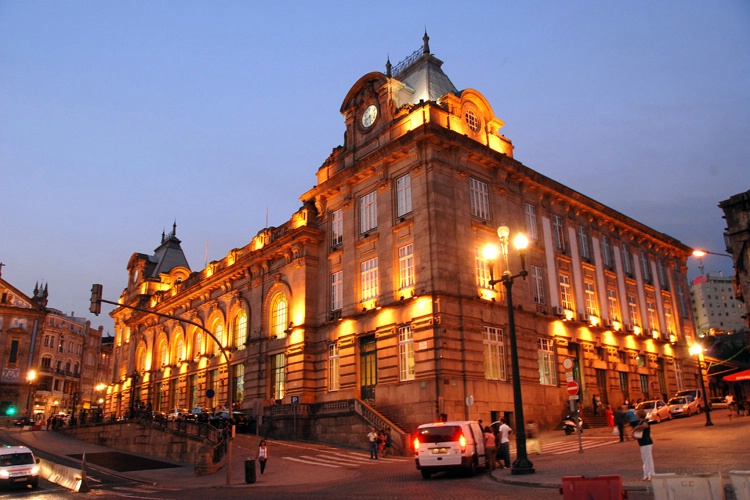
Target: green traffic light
[[10, 411]]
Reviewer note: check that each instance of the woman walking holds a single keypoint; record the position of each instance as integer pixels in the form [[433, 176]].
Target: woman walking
[[262, 455], [642, 433]]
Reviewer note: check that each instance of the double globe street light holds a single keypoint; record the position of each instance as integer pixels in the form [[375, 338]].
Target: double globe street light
[[522, 464]]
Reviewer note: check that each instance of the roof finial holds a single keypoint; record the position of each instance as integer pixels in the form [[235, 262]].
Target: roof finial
[[426, 40], [388, 67], [174, 228]]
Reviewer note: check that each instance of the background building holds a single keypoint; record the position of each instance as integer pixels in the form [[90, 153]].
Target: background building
[[715, 308], [47, 359], [375, 300]]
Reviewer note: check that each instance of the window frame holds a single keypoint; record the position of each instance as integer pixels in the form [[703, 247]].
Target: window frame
[[337, 227], [368, 212], [406, 266], [479, 198], [368, 270], [546, 360], [406, 359], [403, 195], [493, 348]]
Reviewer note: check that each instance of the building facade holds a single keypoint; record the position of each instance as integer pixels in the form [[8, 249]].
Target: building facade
[[378, 289], [737, 214], [48, 360]]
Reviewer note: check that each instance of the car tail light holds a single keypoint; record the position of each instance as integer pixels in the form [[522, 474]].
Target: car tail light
[[416, 446], [462, 442]]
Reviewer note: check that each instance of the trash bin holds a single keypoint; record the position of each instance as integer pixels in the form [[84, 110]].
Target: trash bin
[[600, 487], [250, 470]]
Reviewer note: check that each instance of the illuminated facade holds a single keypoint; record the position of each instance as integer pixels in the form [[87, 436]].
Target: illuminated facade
[[377, 289], [62, 351]]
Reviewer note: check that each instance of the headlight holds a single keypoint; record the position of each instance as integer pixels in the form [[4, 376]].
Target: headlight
[[35, 470], [4, 473]]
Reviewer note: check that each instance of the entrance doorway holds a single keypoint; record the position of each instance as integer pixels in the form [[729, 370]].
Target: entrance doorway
[[368, 366]]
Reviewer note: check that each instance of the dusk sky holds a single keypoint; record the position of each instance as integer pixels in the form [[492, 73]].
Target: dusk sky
[[119, 118]]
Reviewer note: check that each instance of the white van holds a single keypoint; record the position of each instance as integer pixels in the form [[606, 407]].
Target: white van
[[446, 446], [18, 466]]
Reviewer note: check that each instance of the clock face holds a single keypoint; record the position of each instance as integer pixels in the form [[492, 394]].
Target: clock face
[[369, 116]]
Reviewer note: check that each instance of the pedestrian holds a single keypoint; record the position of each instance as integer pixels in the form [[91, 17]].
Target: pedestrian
[[620, 419], [642, 433], [381, 444], [596, 403], [533, 439], [631, 417], [503, 443], [489, 448], [373, 438], [262, 455], [610, 418]]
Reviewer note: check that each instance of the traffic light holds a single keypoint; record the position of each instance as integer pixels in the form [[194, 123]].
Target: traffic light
[[10, 411], [96, 299]]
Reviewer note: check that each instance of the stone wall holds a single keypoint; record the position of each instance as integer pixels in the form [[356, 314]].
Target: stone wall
[[152, 441]]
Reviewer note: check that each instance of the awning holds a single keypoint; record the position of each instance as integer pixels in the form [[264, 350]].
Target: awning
[[738, 377]]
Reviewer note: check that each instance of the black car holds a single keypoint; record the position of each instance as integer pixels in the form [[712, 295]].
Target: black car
[[201, 415], [22, 422]]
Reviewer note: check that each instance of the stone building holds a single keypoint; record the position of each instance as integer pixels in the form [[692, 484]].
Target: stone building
[[737, 214], [60, 351], [375, 300]]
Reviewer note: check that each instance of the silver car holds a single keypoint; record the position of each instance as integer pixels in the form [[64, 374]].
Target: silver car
[[683, 406], [656, 410]]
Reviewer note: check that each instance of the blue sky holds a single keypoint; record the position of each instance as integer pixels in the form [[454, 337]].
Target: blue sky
[[118, 118]]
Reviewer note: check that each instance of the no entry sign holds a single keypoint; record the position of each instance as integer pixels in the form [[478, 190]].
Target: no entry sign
[[572, 387]]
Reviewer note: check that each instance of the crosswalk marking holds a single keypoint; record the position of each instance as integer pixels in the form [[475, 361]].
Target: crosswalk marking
[[310, 463]]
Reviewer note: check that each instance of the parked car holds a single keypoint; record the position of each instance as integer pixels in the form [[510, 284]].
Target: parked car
[[718, 403], [683, 406], [198, 415], [23, 421], [448, 446], [656, 410], [176, 414], [696, 394]]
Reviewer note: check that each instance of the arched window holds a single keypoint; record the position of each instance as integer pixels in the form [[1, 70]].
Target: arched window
[[239, 330], [219, 334], [163, 353], [197, 343], [179, 352], [279, 315]]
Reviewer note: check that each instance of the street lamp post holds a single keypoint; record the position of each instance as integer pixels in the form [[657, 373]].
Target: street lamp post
[[30, 377], [697, 350], [699, 254], [522, 465]]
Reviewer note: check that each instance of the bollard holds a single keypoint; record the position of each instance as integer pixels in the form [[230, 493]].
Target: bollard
[[250, 470]]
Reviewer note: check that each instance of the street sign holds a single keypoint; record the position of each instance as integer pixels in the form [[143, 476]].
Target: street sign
[[573, 398], [568, 364], [295, 400], [573, 388]]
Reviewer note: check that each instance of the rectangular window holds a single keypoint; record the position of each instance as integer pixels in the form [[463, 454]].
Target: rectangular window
[[482, 267], [590, 296], [494, 353], [566, 294], [337, 227], [614, 306], [13, 354], [559, 229], [633, 309], [622, 356], [278, 379], [663, 278], [583, 242], [337, 290], [406, 266], [403, 195], [645, 267], [369, 277], [239, 383], [624, 382], [547, 365], [368, 212], [681, 302], [480, 198], [651, 313], [531, 227], [406, 353], [606, 252], [644, 383], [61, 346], [537, 282], [626, 260], [334, 363], [669, 320]]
